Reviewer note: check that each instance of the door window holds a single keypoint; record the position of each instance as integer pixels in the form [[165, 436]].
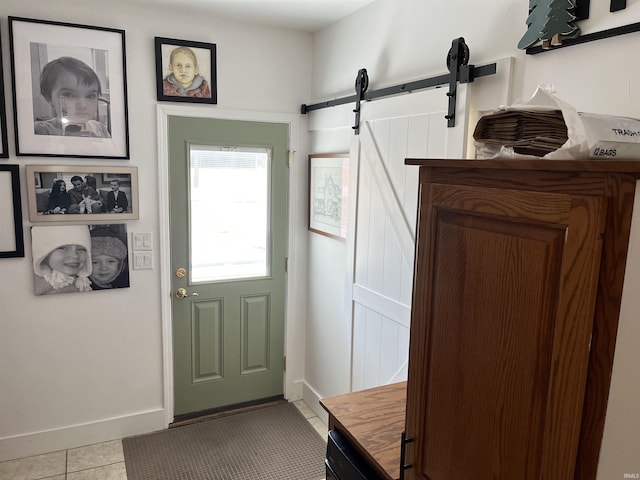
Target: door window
[[229, 213]]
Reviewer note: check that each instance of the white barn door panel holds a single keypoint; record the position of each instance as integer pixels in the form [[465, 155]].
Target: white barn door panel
[[383, 226], [383, 195]]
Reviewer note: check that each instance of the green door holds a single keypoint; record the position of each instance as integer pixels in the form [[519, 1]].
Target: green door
[[228, 182]]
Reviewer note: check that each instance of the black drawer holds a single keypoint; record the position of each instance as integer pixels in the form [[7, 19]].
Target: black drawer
[[344, 463]]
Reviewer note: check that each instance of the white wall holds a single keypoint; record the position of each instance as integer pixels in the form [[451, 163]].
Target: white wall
[[83, 368], [402, 40]]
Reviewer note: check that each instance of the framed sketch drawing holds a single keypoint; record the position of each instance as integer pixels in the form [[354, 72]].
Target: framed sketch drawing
[[328, 189], [4, 152], [11, 235], [69, 89], [185, 71], [67, 193]]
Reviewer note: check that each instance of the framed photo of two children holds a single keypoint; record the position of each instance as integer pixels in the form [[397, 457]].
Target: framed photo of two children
[[69, 89]]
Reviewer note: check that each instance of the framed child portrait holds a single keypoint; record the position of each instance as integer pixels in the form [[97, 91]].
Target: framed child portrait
[[185, 71], [68, 193], [69, 89], [328, 188], [79, 258]]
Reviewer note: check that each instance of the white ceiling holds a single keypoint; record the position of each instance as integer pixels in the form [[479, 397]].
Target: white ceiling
[[306, 15]]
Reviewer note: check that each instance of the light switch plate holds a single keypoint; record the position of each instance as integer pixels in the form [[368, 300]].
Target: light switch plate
[[142, 260], [142, 241]]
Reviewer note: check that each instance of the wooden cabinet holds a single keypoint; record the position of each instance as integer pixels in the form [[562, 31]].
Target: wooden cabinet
[[518, 277]]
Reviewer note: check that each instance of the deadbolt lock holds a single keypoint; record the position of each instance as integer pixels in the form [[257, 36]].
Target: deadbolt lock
[[181, 272]]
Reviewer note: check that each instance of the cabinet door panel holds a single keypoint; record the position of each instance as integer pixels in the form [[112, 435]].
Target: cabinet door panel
[[502, 314]]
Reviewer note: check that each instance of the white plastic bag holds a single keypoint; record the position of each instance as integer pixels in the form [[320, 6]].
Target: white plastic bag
[[589, 135]]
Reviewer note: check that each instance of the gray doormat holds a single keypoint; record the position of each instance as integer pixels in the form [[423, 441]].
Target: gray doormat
[[274, 443]]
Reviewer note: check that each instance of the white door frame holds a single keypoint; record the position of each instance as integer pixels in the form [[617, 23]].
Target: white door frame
[[295, 210]]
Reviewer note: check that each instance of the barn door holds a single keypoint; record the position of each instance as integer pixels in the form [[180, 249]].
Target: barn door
[[383, 195], [383, 224]]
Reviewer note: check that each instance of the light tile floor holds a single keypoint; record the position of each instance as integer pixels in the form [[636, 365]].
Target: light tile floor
[[103, 461]]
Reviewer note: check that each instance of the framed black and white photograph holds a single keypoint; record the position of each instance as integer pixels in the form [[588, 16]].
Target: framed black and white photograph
[[79, 258], [69, 89], [69, 193], [328, 188], [185, 71], [4, 151], [11, 236]]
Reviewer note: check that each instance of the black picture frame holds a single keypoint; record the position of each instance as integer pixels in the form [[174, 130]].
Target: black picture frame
[[205, 55], [4, 143], [56, 123], [11, 234]]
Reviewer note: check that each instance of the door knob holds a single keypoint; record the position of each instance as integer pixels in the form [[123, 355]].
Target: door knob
[[182, 293]]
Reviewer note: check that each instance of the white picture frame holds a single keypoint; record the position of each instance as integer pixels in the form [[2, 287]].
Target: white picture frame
[[40, 180]]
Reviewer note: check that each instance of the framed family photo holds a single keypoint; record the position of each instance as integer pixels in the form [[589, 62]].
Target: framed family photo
[[185, 71], [11, 235], [79, 258], [328, 194], [69, 89], [4, 152], [68, 193]]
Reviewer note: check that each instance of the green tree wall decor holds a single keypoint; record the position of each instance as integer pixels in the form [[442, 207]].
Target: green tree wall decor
[[549, 21]]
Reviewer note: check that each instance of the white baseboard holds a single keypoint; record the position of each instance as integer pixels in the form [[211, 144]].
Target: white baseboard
[[296, 391], [73, 436], [312, 399]]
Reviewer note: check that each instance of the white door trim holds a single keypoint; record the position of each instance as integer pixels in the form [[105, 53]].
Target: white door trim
[[295, 210]]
